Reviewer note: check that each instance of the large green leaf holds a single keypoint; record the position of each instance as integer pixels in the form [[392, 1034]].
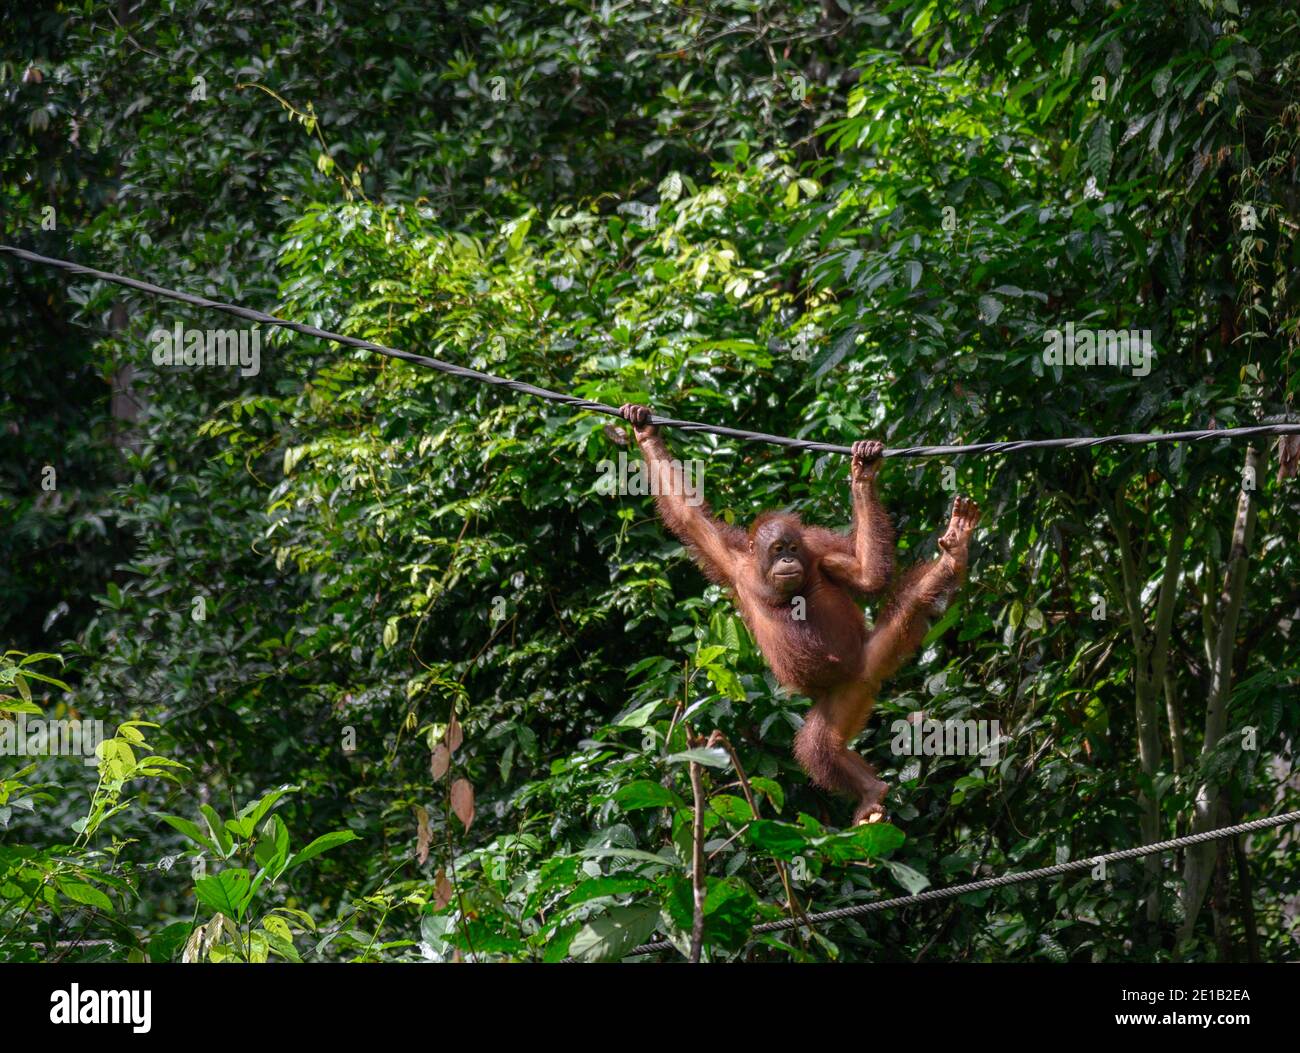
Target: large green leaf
[[610, 936], [225, 893], [322, 844]]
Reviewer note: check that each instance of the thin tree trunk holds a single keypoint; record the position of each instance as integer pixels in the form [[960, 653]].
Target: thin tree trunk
[[1174, 714], [1199, 863], [697, 864], [1221, 904], [1245, 892], [1150, 668]]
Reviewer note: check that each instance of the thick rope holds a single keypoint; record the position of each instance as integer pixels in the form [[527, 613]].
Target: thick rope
[[1129, 439], [932, 895]]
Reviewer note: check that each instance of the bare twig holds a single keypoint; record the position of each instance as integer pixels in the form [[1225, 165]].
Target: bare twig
[[718, 738], [697, 863]]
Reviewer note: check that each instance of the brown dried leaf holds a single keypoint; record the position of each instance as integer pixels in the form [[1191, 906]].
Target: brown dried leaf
[[423, 835], [442, 890], [455, 736], [462, 801], [439, 760]]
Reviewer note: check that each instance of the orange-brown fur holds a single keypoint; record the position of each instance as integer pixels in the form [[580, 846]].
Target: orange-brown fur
[[828, 654]]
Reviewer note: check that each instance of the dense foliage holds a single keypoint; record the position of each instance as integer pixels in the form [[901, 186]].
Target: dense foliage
[[361, 607]]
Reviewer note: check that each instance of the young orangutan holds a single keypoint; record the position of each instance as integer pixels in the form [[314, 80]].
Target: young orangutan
[[797, 588]]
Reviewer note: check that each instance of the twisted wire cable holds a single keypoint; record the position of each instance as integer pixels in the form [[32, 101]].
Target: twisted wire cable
[[450, 368], [935, 894]]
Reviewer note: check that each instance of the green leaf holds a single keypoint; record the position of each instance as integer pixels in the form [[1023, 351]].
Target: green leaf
[[705, 655], [726, 682], [80, 892], [217, 829], [1099, 150], [225, 893], [188, 828], [639, 717], [950, 617], [824, 362], [730, 910], [279, 938], [771, 788], [646, 794], [43, 678], [713, 757], [322, 844], [610, 936], [166, 945], [912, 880], [782, 840], [860, 842], [251, 814], [40, 656], [733, 809], [597, 888], [990, 309], [272, 849], [623, 853]]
